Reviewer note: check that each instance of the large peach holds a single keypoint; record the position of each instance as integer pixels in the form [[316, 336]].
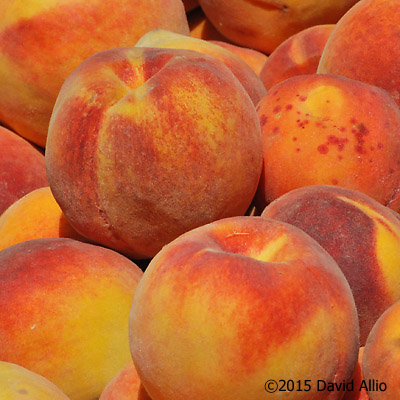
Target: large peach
[[42, 42], [125, 385], [18, 383], [64, 308], [362, 235], [22, 168], [365, 45], [265, 24], [145, 144], [230, 306], [34, 216], [244, 73], [326, 129], [381, 358], [297, 55]]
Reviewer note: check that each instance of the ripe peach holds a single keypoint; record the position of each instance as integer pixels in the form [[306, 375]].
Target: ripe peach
[[125, 385], [255, 59], [64, 308], [22, 168], [18, 383], [244, 73], [365, 45], [201, 28], [381, 358], [297, 55], [232, 304], [264, 24], [362, 236], [42, 42], [327, 129], [34, 216], [145, 144]]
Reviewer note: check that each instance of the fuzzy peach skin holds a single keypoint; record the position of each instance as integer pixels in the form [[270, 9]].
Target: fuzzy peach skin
[[18, 383], [358, 392], [255, 59], [297, 55], [145, 144], [362, 236], [369, 37], [43, 41], [125, 385], [34, 216], [22, 168], [244, 73], [264, 24], [327, 129], [64, 308], [381, 357], [232, 304], [201, 28]]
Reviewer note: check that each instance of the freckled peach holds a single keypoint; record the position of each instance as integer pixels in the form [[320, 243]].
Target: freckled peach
[[229, 305], [362, 236], [326, 129], [297, 55], [22, 168]]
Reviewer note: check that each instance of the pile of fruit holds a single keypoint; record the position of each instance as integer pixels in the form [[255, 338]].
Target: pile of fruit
[[199, 199]]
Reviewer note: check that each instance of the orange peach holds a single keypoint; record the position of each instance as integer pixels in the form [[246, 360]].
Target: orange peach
[[264, 24], [22, 168], [365, 45], [145, 144], [297, 55], [125, 385], [358, 383], [201, 28], [326, 129], [160, 38], [34, 216], [381, 359], [42, 42], [255, 59], [362, 236], [232, 305], [64, 308]]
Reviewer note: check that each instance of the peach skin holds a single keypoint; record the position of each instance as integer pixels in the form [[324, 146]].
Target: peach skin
[[362, 236], [43, 41], [297, 55], [34, 216], [22, 168], [330, 130], [264, 24], [145, 144], [369, 35], [201, 28], [64, 309], [229, 306]]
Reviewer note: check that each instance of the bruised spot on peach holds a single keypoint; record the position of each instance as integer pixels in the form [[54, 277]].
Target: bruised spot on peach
[[323, 149]]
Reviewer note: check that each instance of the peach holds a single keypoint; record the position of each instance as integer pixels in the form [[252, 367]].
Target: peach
[[255, 59], [264, 24], [297, 55], [145, 144], [327, 129], [18, 383], [201, 28], [244, 73], [358, 383], [234, 304], [362, 236], [22, 168], [380, 365], [42, 42], [34, 216], [64, 309], [125, 385], [190, 4], [369, 37]]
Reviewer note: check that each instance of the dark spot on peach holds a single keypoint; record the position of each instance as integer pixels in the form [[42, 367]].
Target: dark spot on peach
[[23, 391], [372, 148], [342, 129], [263, 120], [276, 129], [303, 98], [370, 161], [277, 109], [289, 107], [339, 142], [294, 138], [335, 181], [353, 121], [297, 120], [275, 93], [340, 157], [391, 171], [323, 148], [380, 145], [297, 149]]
